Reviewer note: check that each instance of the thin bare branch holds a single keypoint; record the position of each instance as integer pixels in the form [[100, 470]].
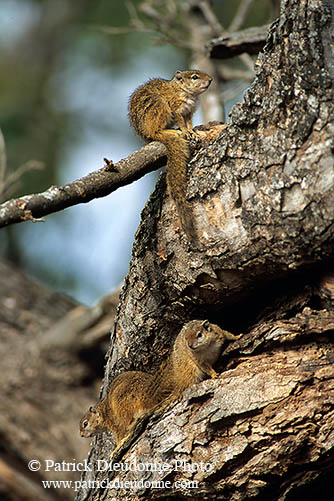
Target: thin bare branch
[[147, 9], [240, 15], [231, 93], [227, 73], [95, 185], [3, 162], [210, 17], [11, 183], [165, 25], [248, 61]]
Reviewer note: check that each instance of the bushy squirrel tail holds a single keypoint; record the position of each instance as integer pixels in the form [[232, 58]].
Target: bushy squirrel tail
[[178, 156]]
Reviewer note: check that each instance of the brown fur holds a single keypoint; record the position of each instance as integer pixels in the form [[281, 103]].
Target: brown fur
[[196, 349], [160, 104], [134, 394], [128, 399]]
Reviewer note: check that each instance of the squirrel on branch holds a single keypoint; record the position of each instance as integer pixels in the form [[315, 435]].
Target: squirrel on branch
[[160, 104]]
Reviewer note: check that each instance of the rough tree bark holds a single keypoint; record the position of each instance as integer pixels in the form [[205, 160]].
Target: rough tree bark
[[263, 196]]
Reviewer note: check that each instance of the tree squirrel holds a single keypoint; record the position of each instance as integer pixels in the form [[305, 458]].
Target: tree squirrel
[[160, 104], [129, 398], [196, 349], [134, 394]]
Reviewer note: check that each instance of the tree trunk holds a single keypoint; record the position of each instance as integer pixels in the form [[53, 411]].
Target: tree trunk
[[263, 198]]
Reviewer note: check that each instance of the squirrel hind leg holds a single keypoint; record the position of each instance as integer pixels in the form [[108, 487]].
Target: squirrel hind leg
[[208, 370], [119, 446], [212, 373], [133, 432], [171, 398]]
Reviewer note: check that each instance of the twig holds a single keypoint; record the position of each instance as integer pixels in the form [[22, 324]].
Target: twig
[[3, 163], [12, 182], [9, 183], [248, 61], [210, 17], [240, 15], [227, 73], [231, 93]]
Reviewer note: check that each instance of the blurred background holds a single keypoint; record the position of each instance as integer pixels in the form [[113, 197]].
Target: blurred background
[[67, 69]]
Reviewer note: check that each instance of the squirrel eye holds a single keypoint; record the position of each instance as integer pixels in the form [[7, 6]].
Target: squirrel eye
[[85, 424], [195, 77], [199, 335]]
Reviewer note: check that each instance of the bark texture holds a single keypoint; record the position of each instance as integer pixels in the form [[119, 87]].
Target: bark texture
[[263, 199], [95, 185], [263, 430], [250, 40]]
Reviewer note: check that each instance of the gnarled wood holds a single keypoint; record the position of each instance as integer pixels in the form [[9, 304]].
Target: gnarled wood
[[263, 198]]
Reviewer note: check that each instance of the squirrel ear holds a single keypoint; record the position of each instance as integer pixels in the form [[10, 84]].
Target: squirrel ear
[[92, 409], [177, 75], [206, 325]]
